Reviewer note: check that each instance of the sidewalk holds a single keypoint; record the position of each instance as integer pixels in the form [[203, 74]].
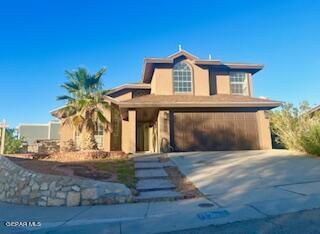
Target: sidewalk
[[150, 217], [153, 217]]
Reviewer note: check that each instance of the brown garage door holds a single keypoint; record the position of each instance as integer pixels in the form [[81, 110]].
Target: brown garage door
[[215, 131]]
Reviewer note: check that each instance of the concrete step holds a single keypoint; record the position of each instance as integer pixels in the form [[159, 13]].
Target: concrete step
[[158, 195], [148, 165], [168, 164], [146, 159], [151, 174], [154, 184]]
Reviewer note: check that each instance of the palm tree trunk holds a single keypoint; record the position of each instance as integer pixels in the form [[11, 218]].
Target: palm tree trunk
[[88, 141]]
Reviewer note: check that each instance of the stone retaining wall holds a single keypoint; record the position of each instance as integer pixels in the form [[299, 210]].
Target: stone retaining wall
[[44, 146], [21, 186]]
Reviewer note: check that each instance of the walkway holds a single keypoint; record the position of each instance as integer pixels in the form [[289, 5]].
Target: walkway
[[153, 182]]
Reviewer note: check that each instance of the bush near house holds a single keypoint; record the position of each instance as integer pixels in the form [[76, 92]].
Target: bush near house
[[12, 144], [295, 129]]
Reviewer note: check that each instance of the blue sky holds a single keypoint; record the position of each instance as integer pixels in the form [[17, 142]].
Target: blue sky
[[39, 40]]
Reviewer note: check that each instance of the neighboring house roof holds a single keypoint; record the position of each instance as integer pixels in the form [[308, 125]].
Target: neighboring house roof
[[151, 63], [220, 100], [129, 86]]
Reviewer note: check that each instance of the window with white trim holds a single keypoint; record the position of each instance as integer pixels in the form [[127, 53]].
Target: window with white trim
[[239, 83], [98, 134], [182, 78]]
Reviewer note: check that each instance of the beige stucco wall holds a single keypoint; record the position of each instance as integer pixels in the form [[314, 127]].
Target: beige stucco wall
[[106, 141], [163, 128], [161, 83], [129, 133], [201, 80], [124, 97], [153, 138], [223, 83], [162, 80], [264, 130], [250, 84], [67, 133]]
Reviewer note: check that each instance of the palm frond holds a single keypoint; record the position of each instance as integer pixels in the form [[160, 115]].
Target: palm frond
[[101, 117], [78, 122], [100, 73], [65, 112], [70, 87], [71, 76], [65, 97]]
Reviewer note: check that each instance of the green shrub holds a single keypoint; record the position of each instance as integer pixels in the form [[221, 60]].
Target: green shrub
[[12, 143], [295, 129], [310, 138]]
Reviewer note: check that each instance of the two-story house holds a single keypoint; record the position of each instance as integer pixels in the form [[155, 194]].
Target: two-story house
[[188, 104]]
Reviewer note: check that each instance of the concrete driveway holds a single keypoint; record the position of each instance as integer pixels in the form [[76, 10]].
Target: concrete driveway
[[272, 181]]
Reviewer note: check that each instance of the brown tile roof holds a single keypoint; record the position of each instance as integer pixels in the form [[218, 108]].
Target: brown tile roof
[[220, 100], [129, 86]]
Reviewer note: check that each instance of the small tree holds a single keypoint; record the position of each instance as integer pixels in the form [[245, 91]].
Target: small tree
[[296, 129], [12, 144], [285, 125], [85, 105]]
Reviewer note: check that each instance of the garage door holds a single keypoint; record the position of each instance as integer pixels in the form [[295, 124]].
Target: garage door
[[215, 131]]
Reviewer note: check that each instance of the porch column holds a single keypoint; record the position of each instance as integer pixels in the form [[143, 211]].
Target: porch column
[[264, 130], [129, 133], [106, 140], [163, 128]]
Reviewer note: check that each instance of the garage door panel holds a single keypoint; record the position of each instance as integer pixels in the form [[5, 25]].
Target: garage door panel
[[215, 131]]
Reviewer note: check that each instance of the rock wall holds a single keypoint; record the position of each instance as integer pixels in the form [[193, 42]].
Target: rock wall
[[44, 146], [21, 186]]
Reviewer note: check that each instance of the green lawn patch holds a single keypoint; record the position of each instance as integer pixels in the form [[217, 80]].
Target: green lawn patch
[[123, 169]]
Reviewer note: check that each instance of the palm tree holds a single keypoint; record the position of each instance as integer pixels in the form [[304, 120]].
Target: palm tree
[[85, 105]]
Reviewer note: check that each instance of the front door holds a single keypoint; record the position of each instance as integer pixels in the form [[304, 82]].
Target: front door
[[142, 136]]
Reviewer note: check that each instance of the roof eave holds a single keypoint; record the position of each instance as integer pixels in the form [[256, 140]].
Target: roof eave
[[314, 109], [128, 86], [268, 105]]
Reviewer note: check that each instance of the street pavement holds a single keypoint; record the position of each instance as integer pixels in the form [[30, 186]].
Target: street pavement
[[306, 222]]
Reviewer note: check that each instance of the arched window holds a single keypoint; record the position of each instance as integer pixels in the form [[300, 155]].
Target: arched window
[[182, 78]]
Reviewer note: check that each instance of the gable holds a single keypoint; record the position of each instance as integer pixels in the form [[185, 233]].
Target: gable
[[182, 54], [150, 64]]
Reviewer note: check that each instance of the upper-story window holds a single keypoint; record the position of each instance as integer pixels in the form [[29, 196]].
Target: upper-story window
[[239, 83], [182, 78]]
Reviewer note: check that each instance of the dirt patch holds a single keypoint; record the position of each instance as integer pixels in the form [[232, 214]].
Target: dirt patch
[[183, 185], [72, 155], [110, 170], [85, 155], [41, 166]]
